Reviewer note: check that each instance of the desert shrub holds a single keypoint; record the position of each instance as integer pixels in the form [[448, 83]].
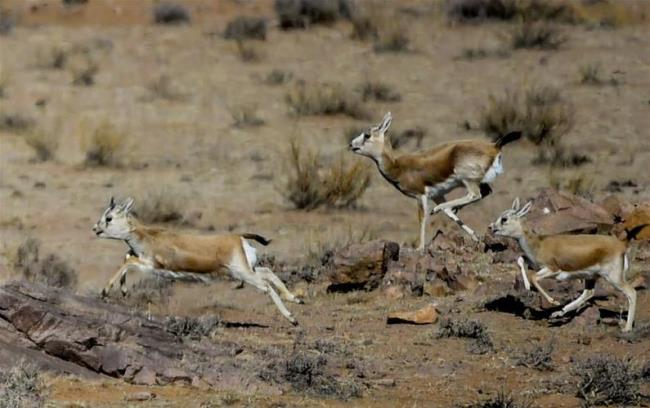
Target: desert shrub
[[312, 184], [307, 373], [304, 13], [170, 13], [21, 386], [50, 270], [160, 206], [539, 357], [590, 74], [324, 99], [541, 114], [531, 10], [162, 87], [560, 156], [103, 146], [70, 3], [500, 400], [245, 116], [278, 77], [15, 122], [393, 36], [7, 22], [470, 329], [401, 138], [246, 27], [54, 57], [605, 380], [4, 81], [483, 53], [192, 327], [378, 91], [364, 23], [577, 183], [44, 144], [538, 35], [247, 51]]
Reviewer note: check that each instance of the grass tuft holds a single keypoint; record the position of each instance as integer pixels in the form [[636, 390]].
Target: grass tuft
[[103, 146], [159, 206], [171, 14], [245, 116], [51, 270], [378, 91], [500, 400], [246, 28], [21, 386], [469, 329], [301, 14], [607, 380], [536, 35], [43, 144], [324, 99], [540, 357]]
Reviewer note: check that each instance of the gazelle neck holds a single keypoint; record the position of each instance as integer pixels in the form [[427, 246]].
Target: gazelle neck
[[386, 162], [137, 238], [529, 243]]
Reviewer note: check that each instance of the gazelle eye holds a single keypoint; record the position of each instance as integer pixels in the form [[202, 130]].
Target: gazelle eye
[[109, 219], [503, 220], [366, 136]]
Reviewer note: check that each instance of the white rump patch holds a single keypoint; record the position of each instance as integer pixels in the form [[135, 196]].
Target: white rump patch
[[495, 169], [251, 253]]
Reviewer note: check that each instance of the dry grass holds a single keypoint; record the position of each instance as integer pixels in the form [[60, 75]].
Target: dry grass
[[294, 14], [278, 77], [393, 36], [103, 146], [478, 53], [246, 27], [470, 329], [50, 270], [7, 22], [21, 386], [506, 10], [15, 122], [314, 184], [378, 91], [247, 51], [580, 183], [4, 81], [539, 357], [44, 144], [161, 206], [163, 88], [608, 380], [500, 400], [245, 116], [324, 99], [591, 74], [374, 21], [536, 35]]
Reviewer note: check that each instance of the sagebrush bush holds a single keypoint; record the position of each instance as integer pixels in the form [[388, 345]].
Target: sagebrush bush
[[44, 144], [529, 10], [21, 386], [539, 357], [314, 184], [540, 113], [538, 35], [245, 116], [160, 205], [304, 13], [470, 329], [51, 270], [247, 52], [378, 91], [103, 146], [500, 400], [605, 380], [324, 99], [15, 122], [162, 87], [278, 77], [246, 27], [170, 13]]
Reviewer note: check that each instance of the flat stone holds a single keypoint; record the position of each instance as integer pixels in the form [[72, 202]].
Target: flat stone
[[140, 396], [146, 376], [425, 315]]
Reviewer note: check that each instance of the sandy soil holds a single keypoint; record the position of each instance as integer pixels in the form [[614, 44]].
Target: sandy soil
[[232, 177]]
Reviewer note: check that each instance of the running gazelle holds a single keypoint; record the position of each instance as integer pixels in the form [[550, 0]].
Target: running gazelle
[[432, 173], [565, 257], [182, 256]]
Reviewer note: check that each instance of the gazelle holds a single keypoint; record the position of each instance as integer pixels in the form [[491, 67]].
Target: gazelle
[[565, 257], [435, 172], [174, 255]]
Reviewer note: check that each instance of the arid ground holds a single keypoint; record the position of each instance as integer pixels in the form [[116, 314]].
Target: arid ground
[[171, 95]]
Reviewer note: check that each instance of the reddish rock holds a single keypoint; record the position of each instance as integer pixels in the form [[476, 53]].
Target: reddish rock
[[361, 265], [436, 288], [425, 315]]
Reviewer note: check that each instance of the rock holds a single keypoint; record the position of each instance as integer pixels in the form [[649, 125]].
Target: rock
[[425, 315], [361, 266], [556, 212], [590, 317], [140, 396], [394, 292], [436, 288], [145, 376], [639, 282], [172, 375], [503, 249], [460, 282]]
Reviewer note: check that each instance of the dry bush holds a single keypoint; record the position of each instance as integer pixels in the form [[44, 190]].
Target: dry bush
[[541, 113], [324, 99], [50, 270], [470, 54], [15, 122], [245, 116], [54, 57], [163, 88], [538, 35], [149, 290], [393, 37], [278, 77], [378, 91], [246, 27], [312, 184], [470, 329], [4, 81], [247, 52], [530, 10], [44, 144], [7, 22], [500, 400], [21, 386], [605, 380], [294, 14], [540, 357], [192, 327], [103, 146], [170, 13], [590, 74], [375, 22], [580, 183], [161, 206]]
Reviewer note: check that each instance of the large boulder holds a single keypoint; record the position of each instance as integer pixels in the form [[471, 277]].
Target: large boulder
[[361, 266]]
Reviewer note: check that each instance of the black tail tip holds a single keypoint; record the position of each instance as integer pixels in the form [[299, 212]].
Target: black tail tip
[[632, 233], [508, 138]]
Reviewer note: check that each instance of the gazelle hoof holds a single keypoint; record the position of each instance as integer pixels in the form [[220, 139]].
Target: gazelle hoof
[[298, 301], [294, 322], [557, 314], [104, 293]]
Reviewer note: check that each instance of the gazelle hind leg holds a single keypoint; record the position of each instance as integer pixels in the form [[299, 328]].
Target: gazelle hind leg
[[268, 275], [423, 217], [473, 194], [543, 273], [240, 269], [615, 275], [587, 294]]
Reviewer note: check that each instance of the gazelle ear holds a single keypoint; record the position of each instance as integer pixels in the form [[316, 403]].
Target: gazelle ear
[[385, 123], [515, 204], [525, 210], [127, 205], [111, 203]]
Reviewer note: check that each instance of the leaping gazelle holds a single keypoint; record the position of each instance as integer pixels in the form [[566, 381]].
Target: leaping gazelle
[[432, 173], [565, 257], [174, 255]]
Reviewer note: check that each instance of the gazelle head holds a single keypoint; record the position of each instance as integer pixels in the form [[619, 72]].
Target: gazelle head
[[509, 222], [115, 222], [371, 143]]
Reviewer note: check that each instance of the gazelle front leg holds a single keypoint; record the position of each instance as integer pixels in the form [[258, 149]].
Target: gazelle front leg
[[543, 273], [587, 294], [524, 273], [130, 262], [268, 275]]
